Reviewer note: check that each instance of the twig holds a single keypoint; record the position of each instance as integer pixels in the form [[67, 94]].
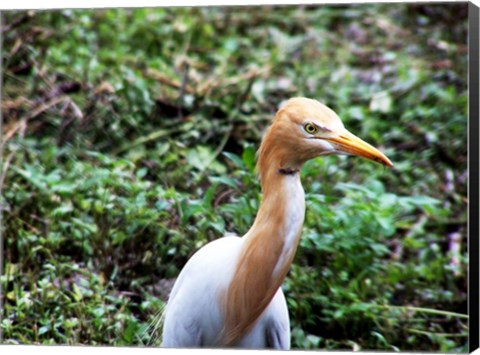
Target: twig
[[46, 106], [16, 46], [451, 335], [67, 121], [18, 21], [252, 75], [246, 92], [22, 122], [15, 104], [417, 226], [454, 247], [6, 164], [186, 66], [152, 136], [156, 75], [424, 310], [217, 152], [223, 195], [211, 83]]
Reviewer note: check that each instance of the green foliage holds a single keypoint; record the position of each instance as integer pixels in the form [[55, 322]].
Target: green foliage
[[129, 141]]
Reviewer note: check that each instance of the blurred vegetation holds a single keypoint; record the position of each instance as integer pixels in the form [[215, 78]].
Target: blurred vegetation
[[129, 139]]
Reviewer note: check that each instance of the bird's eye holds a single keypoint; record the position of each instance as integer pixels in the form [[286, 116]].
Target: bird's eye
[[310, 128]]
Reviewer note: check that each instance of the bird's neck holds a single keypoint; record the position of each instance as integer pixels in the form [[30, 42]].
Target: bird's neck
[[268, 250]]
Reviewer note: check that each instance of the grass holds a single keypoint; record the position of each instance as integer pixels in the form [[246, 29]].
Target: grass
[[129, 141]]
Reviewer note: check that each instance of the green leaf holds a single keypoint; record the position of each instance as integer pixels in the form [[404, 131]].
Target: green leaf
[[235, 159], [225, 181], [248, 158]]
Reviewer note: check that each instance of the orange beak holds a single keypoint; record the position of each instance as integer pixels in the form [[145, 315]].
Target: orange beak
[[351, 144]]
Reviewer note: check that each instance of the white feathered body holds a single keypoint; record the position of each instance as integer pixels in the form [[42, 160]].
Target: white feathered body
[[194, 318]]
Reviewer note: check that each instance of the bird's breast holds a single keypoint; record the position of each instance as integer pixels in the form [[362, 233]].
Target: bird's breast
[[294, 215]]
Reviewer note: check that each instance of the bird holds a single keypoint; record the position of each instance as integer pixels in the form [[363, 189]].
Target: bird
[[229, 293]]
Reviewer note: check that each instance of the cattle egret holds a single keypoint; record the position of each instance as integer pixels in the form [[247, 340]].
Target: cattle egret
[[228, 294]]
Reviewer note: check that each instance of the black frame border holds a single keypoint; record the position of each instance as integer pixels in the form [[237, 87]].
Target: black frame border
[[473, 137]]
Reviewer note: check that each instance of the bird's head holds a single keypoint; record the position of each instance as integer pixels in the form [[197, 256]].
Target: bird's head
[[304, 129]]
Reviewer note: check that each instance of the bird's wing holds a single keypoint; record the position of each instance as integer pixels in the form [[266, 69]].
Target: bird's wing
[[182, 333], [278, 335], [192, 316], [278, 325]]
